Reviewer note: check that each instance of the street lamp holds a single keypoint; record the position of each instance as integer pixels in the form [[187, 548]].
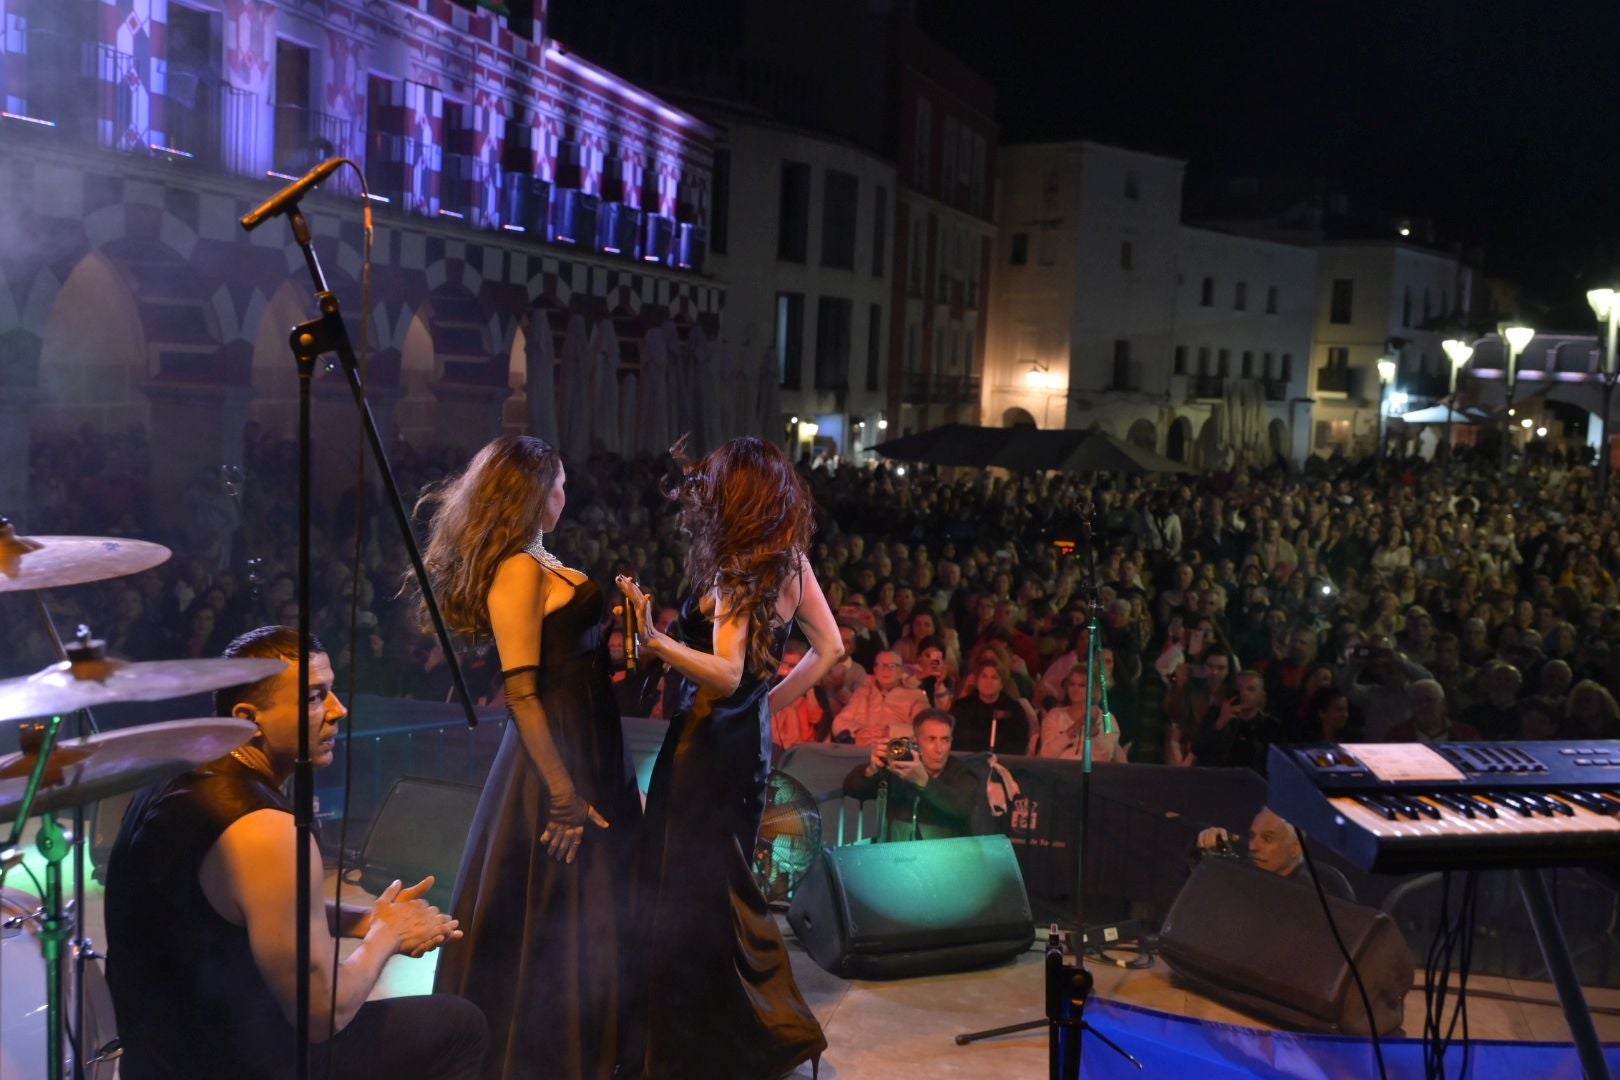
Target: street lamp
[[1386, 375], [1606, 306], [1514, 338], [1459, 352]]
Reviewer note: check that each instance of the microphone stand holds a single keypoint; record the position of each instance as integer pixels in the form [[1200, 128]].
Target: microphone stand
[[308, 341], [1069, 985], [882, 810]]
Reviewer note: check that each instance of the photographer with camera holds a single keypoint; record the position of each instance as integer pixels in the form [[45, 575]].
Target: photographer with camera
[[1383, 702], [931, 795]]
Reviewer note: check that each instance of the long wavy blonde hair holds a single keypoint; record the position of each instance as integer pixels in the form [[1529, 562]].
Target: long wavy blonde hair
[[481, 518], [749, 515]]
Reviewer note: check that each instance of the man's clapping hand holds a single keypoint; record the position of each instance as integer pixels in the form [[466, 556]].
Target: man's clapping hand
[[416, 925]]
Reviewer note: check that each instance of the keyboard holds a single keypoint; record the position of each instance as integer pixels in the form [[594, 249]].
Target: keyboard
[[1399, 807]]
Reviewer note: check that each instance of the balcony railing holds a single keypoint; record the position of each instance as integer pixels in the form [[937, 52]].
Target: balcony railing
[[921, 389], [1276, 389], [304, 137], [86, 93], [113, 121], [390, 161], [213, 124], [1333, 380], [467, 187], [1208, 386]]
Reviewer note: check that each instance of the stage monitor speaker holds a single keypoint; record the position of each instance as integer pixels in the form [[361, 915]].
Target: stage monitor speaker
[[420, 829], [918, 907], [1259, 942]]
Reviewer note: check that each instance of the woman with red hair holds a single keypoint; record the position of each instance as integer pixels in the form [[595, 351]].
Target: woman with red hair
[[718, 998]]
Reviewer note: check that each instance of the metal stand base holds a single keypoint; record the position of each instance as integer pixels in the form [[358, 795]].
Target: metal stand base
[[1555, 950], [1067, 988]]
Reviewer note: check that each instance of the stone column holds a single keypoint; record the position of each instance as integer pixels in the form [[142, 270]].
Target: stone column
[[336, 420], [467, 415], [19, 392], [194, 426], [16, 405]]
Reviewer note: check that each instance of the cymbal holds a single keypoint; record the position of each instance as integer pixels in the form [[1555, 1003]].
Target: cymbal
[[117, 761], [88, 684], [46, 562]]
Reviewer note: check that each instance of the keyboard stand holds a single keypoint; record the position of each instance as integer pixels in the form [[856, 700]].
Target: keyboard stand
[[1555, 951]]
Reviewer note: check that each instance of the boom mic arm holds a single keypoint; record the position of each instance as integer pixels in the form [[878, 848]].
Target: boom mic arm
[[290, 194]]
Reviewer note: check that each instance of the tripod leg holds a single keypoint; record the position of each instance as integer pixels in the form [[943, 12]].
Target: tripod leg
[[1111, 1044], [993, 1033]]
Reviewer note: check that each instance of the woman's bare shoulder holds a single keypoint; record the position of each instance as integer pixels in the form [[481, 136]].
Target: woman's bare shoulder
[[518, 574]]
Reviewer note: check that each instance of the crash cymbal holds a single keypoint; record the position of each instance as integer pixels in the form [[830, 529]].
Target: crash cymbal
[[46, 562], [116, 761], [89, 684]]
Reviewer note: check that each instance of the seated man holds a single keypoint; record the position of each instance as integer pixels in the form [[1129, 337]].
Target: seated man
[[1430, 721], [932, 795], [883, 708], [201, 896], [1274, 847], [803, 721]]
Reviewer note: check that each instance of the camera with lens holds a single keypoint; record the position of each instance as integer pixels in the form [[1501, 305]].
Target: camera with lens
[[902, 749]]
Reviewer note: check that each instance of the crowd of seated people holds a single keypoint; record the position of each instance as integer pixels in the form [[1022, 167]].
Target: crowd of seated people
[[1233, 609]]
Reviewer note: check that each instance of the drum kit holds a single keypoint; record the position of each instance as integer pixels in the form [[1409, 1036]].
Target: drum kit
[[43, 949]]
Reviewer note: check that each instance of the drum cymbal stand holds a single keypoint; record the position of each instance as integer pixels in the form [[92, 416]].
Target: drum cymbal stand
[[53, 844], [82, 948]]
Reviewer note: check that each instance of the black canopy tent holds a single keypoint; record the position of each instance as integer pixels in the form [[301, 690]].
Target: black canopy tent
[[1026, 449]]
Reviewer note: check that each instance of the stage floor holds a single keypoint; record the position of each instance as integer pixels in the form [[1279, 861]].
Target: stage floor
[[904, 1029]]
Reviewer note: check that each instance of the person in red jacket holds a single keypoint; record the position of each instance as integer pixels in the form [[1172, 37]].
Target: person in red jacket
[[1431, 722]]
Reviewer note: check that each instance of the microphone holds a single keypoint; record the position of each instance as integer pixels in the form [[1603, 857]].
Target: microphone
[[632, 637], [290, 194], [632, 632]]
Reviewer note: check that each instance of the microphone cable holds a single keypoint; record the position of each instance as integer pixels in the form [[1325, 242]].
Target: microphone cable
[[1355, 973], [356, 570]]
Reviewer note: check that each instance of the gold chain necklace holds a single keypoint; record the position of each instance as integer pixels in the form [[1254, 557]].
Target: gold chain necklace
[[257, 766]]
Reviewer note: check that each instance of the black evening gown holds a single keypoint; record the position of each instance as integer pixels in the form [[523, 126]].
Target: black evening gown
[[718, 999], [542, 951]]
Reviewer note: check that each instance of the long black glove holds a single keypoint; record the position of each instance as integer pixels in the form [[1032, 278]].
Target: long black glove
[[567, 811]]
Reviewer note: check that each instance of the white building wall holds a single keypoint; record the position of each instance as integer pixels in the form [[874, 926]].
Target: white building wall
[[1125, 198], [1111, 274], [1388, 281], [758, 152], [1026, 369]]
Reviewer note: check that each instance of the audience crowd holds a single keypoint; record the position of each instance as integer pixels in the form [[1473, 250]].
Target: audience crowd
[[1235, 610]]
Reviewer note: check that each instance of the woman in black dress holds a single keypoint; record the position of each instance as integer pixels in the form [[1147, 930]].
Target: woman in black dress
[[718, 999], [542, 888]]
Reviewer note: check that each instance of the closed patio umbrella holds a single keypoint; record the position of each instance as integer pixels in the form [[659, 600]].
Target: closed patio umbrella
[[540, 376], [604, 411], [574, 419]]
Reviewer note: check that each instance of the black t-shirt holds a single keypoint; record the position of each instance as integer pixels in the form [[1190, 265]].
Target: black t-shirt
[[188, 995], [975, 718]]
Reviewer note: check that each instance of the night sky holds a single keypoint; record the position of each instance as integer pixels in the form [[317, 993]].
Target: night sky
[[1500, 121]]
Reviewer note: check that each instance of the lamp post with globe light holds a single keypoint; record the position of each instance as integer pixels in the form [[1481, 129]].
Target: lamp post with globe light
[[1606, 306], [1514, 338], [1459, 352], [1386, 375]]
